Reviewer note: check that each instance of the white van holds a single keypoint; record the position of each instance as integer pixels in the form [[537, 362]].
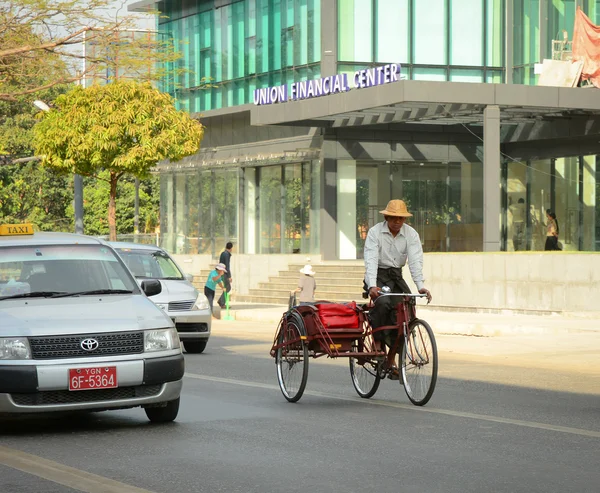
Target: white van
[[78, 333]]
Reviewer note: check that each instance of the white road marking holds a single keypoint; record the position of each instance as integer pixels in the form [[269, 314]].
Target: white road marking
[[61, 474], [409, 407]]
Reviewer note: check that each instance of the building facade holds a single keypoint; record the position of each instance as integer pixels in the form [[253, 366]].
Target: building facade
[[478, 152]]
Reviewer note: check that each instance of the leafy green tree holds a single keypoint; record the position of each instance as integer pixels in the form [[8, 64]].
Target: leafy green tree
[[123, 128]]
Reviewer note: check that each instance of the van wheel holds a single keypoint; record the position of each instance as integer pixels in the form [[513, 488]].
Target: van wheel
[[194, 346], [163, 414]]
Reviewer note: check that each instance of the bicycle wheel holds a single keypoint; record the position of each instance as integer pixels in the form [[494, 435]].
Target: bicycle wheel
[[292, 359], [419, 363], [364, 370]]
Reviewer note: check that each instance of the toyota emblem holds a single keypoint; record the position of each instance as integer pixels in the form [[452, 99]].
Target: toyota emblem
[[89, 344]]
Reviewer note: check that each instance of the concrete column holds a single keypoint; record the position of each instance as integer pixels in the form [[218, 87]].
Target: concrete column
[[491, 179], [328, 220], [329, 37], [346, 199], [589, 203]]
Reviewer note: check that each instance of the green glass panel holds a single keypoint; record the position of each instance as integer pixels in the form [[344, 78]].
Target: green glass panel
[[466, 32], [429, 74], [458, 75], [355, 36], [392, 31], [229, 45], [429, 25], [495, 33], [526, 32]]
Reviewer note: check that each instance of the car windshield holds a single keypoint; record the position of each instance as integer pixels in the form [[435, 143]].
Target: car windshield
[[59, 270], [150, 264]]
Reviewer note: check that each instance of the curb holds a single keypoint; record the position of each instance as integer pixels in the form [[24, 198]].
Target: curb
[[468, 324]]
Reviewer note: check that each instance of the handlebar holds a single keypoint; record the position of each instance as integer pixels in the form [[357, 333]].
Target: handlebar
[[413, 295]]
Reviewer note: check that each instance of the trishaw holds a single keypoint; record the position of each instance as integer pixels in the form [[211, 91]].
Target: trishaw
[[341, 330]]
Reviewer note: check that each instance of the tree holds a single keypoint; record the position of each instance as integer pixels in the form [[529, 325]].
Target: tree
[[122, 127], [96, 203], [47, 36]]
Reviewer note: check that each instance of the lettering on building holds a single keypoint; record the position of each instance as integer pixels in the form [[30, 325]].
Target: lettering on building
[[324, 86]]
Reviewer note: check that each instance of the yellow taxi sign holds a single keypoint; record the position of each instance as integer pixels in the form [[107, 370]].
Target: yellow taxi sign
[[16, 229]]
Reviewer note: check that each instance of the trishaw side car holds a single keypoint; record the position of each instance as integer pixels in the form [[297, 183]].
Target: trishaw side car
[[342, 330]]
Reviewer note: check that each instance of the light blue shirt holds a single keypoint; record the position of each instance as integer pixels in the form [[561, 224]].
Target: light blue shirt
[[210, 283]]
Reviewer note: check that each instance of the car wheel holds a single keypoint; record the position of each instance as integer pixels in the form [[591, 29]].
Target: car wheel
[[163, 414], [194, 346]]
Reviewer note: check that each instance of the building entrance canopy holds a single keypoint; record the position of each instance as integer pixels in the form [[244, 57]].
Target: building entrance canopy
[[439, 103]]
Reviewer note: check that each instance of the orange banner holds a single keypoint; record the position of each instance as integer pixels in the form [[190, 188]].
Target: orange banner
[[586, 47]]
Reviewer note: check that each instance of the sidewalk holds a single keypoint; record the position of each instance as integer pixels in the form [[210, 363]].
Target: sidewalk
[[450, 322]]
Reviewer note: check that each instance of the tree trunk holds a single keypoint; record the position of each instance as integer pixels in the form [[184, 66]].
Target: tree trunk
[[112, 212]]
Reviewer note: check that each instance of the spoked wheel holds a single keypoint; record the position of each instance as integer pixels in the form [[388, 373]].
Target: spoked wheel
[[292, 359], [419, 363], [364, 370]]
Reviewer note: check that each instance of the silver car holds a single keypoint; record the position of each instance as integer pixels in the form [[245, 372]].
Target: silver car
[[187, 307], [76, 331]]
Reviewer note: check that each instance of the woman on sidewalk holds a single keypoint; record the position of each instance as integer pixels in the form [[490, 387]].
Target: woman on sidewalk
[[552, 231], [306, 286], [215, 277]]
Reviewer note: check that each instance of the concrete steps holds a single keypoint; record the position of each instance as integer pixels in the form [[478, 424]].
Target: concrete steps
[[336, 281]]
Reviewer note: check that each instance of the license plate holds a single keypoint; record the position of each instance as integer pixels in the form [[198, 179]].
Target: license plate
[[102, 377]]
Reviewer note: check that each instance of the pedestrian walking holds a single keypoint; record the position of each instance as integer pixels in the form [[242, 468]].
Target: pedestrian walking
[[306, 286], [551, 231], [225, 259], [215, 277]]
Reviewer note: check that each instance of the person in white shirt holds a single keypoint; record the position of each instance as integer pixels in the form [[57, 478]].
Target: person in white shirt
[[388, 247]]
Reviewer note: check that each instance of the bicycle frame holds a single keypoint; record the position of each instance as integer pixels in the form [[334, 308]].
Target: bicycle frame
[[405, 314]]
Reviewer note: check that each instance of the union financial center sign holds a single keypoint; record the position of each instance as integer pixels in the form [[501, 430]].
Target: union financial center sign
[[333, 84]]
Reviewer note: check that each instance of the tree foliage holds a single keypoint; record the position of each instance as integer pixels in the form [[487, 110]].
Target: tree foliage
[[123, 128], [96, 197], [48, 37]]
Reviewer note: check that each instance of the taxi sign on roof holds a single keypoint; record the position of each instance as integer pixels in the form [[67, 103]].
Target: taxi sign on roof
[[16, 229]]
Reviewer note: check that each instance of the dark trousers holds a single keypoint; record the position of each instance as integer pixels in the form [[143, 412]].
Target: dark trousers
[[227, 288], [551, 243], [210, 294], [384, 311]]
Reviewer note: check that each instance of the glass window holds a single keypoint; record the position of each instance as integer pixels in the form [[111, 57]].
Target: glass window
[[270, 199], [230, 44], [466, 32], [495, 33], [355, 40], [429, 24], [458, 75], [566, 200], [392, 31], [429, 74], [526, 44], [62, 269]]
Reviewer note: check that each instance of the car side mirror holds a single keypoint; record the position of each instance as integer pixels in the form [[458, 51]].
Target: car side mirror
[[189, 277], [151, 287]]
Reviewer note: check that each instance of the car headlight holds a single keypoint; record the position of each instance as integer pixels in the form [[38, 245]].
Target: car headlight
[[161, 340], [14, 348], [201, 303], [163, 306]]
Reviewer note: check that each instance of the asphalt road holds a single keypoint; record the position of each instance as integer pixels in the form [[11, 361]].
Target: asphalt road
[[519, 414]]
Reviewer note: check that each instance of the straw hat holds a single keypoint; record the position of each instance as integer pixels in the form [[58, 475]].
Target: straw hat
[[396, 208], [307, 269]]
